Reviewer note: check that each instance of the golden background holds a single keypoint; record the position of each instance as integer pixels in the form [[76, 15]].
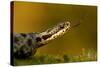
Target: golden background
[[37, 17]]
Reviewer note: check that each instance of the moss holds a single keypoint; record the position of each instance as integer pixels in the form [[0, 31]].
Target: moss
[[86, 55]]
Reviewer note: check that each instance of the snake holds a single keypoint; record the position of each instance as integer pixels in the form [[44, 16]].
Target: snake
[[27, 44]]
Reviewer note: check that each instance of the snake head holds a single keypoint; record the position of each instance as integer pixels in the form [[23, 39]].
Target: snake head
[[54, 32]]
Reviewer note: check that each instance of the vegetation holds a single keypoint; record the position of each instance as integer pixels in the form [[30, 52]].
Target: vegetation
[[89, 55]]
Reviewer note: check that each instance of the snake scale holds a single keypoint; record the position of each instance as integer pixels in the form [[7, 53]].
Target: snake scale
[[26, 44]]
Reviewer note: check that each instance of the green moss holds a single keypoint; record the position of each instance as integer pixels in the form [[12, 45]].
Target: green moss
[[86, 55]]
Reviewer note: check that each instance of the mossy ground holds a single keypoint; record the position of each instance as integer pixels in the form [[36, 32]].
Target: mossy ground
[[89, 55]]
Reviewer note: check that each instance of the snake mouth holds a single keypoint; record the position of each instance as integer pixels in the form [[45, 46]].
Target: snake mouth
[[54, 32]]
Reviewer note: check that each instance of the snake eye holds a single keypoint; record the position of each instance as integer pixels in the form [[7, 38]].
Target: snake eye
[[46, 36]]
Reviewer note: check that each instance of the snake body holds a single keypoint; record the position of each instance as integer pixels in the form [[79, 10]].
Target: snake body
[[26, 44]]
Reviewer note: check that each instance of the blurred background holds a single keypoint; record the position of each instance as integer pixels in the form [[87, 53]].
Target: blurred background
[[37, 17]]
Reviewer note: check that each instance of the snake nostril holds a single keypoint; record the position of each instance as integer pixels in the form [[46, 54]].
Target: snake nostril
[[67, 24]]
